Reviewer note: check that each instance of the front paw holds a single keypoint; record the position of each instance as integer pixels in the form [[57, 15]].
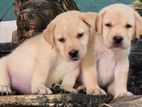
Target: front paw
[[56, 89], [122, 93], [5, 90], [95, 91], [41, 90], [70, 90]]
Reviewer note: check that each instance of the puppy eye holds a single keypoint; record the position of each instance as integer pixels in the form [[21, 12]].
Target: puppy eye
[[80, 35], [108, 25], [62, 40], [128, 26]]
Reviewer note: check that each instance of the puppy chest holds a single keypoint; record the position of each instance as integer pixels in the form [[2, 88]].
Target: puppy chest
[[106, 64], [58, 72]]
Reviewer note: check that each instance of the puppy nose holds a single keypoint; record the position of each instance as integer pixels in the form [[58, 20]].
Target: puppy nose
[[73, 53], [118, 39]]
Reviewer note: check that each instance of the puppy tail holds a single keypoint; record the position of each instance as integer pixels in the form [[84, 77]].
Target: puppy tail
[[4, 75]]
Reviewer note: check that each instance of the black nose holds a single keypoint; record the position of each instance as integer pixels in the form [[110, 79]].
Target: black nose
[[118, 39], [73, 53]]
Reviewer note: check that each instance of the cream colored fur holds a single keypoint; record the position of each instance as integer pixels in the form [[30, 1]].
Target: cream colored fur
[[112, 62], [44, 59]]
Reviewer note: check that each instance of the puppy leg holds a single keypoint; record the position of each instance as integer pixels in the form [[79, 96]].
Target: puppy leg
[[119, 86], [90, 81], [5, 86], [40, 74], [69, 80]]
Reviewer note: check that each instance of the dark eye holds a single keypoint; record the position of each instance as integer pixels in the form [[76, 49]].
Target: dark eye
[[62, 40], [128, 26], [108, 25], [79, 35]]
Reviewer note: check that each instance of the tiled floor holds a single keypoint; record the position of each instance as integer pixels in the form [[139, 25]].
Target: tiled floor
[[6, 29]]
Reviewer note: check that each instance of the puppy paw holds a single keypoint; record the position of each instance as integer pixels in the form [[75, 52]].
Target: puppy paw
[[5, 90], [70, 90], [56, 89], [96, 91], [41, 90], [122, 93], [81, 89]]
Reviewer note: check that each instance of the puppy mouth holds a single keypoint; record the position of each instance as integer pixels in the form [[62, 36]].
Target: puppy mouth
[[117, 46], [75, 59], [120, 46]]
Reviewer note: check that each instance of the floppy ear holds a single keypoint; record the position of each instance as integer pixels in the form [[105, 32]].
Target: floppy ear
[[48, 34], [89, 18], [138, 25], [99, 21]]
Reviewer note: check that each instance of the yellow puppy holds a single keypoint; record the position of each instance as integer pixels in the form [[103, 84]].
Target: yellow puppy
[[117, 25], [51, 57]]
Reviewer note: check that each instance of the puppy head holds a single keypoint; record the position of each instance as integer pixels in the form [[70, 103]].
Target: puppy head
[[118, 24], [69, 33]]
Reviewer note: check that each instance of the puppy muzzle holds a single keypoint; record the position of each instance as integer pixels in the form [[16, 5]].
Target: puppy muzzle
[[117, 42], [74, 55]]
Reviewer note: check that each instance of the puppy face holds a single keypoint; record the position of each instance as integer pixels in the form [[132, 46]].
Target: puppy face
[[118, 24], [70, 33], [72, 40]]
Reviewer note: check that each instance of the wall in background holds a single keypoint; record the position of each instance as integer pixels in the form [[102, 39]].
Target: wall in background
[[4, 5], [96, 5], [84, 5]]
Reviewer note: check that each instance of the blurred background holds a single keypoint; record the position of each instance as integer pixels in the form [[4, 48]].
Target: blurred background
[[84, 5]]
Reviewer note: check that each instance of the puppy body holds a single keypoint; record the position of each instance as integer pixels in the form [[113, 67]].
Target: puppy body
[[25, 54], [105, 58], [110, 62], [117, 25], [51, 57]]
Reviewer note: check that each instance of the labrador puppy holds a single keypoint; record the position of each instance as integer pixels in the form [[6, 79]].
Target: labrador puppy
[[116, 26], [52, 57]]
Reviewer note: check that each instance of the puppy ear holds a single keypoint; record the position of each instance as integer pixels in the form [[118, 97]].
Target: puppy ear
[[138, 25], [48, 34], [89, 18], [99, 21]]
